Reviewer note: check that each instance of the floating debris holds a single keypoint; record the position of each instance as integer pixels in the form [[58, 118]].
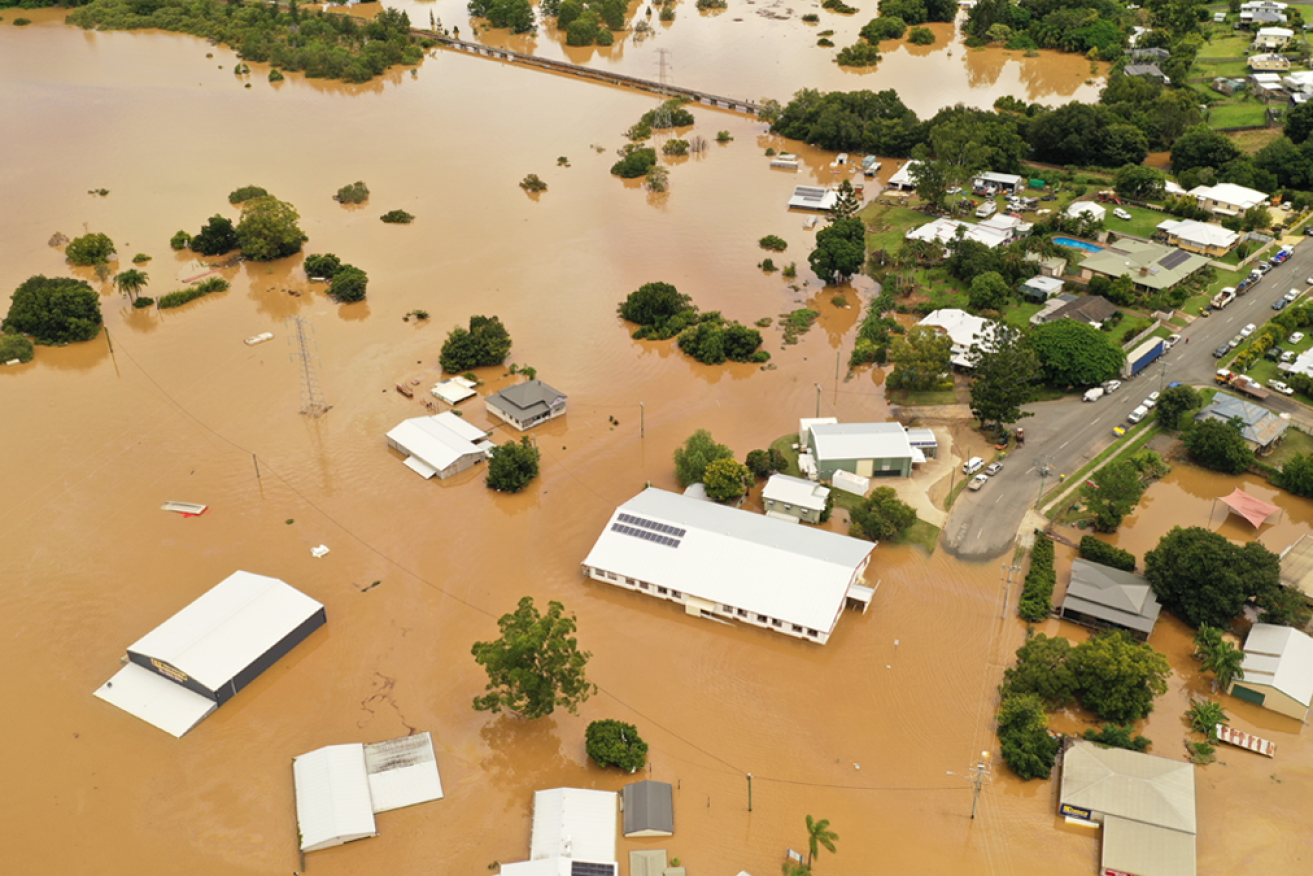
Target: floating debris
[[186, 509]]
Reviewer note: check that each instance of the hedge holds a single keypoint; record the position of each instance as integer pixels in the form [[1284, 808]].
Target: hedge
[[1097, 551], [182, 296], [1037, 593]]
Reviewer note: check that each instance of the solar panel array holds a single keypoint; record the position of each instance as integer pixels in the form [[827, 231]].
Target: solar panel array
[[1173, 259], [588, 868], [651, 524], [645, 535]]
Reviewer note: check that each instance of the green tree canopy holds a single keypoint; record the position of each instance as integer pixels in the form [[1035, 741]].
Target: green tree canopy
[[840, 250], [698, 451], [349, 284], [1175, 403], [989, 291], [1220, 446], [54, 310], [1112, 492], [1118, 676], [216, 237], [1218, 656], [485, 343], [1299, 123], [1041, 669], [1202, 578], [726, 479], [89, 249], [1201, 146], [1098, 551], [656, 305], [131, 281], [1005, 371], [615, 743], [1075, 354], [268, 229], [355, 193], [1139, 181], [536, 665], [323, 265], [1023, 737], [819, 836], [885, 27], [921, 358], [882, 515], [245, 193], [512, 466]]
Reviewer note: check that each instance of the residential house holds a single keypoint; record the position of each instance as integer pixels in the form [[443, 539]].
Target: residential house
[[442, 445], [902, 177], [1261, 18], [1049, 266], [1260, 427], [963, 328], [998, 182], [1150, 71], [1268, 39], [527, 404], [732, 565], [793, 499], [1278, 670], [573, 833], [1011, 226], [813, 198], [1199, 237], [1087, 209], [1149, 56], [1227, 199], [1041, 288], [649, 809], [945, 231], [1102, 597], [1053, 306], [1152, 267], [1092, 310], [865, 449], [1269, 62]]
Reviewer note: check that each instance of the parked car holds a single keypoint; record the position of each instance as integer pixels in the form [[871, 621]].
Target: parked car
[[994, 468], [1263, 268], [1138, 414], [1121, 214], [1112, 386], [1151, 400], [1292, 295], [1295, 338], [1288, 356], [1280, 304], [973, 465], [1221, 351], [977, 482], [1118, 431], [1171, 341], [1094, 394], [1274, 354], [1236, 341], [1248, 330], [1280, 387]]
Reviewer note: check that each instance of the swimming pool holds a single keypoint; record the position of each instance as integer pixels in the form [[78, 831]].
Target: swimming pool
[[1077, 244]]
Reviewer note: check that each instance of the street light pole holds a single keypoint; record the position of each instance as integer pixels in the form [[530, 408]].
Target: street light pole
[[818, 400]]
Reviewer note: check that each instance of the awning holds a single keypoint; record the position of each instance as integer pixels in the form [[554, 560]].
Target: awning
[[155, 699], [1253, 509], [917, 455], [420, 468]]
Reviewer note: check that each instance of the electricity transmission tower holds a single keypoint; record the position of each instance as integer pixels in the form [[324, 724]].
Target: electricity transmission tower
[[300, 336], [662, 124]]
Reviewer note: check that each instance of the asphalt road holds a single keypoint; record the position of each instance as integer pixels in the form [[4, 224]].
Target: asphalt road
[[1066, 434]]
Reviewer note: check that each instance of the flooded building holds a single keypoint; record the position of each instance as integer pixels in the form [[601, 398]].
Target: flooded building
[[789, 498], [197, 660], [573, 834], [728, 564], [527, 404], [442, 445], [1145, 805], [864, 449], [340, 788], [1102, 597], [813, 198], [649, 809], [1297, 566], [1278, 671]]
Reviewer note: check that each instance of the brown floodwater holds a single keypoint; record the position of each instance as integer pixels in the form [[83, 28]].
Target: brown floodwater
[[862, 731]]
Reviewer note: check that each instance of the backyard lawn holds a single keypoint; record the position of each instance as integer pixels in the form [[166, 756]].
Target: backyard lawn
[[1237, 115], [1295, 442], [1143, 222], [1018, 315], [888, 224]]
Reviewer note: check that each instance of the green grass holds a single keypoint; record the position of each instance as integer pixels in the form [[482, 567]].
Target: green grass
[[920, 533], [1143, 223], [784, 445], [1130, 321], [1018, 315], [887, 225], [1295, 442], [1237, 115], [910, 398]]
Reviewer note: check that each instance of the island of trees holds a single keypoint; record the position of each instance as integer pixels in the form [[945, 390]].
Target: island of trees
[[662, 312]]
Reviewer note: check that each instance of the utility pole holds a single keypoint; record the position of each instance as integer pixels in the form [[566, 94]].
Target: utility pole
[[1007, 593], [642, 420], [818, 400], [749, 792], [980, 777]]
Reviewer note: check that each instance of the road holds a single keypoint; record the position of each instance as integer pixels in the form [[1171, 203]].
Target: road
[[1068, 433]]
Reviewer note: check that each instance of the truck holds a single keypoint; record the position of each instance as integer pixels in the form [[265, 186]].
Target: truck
[[1241, 384], [1141, 356], [1223, 298]]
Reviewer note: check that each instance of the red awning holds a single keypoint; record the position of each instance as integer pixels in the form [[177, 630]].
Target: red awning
[[1255, 510]]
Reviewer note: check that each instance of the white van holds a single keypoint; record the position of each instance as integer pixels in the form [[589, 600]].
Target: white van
[[1138, 414], [1094, 394], [972, 465]]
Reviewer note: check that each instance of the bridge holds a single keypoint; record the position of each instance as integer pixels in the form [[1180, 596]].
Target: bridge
[[605, 76]]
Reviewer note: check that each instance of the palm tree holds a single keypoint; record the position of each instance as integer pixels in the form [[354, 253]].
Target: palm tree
[[1225, 663], [793, 868], [130, 282], [818, 835], [1206, 641], [1204, 716]]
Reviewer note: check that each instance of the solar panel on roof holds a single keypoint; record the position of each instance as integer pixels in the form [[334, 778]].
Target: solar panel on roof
[[1174, 259], [645, 535], [651, 524], [587, 868]]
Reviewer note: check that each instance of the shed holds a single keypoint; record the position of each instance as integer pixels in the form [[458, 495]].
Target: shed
[[865, 449], [902, 179], [202, 656], [441, 445], [573, 835], [647, 862], [795, 497], [454, 390], [1041, 288], [1101, 596], [813, 198], [805, 424], [1278, 670], [1094, 211], [925, 441], [1001, 181], [527, 404], [649, 809]]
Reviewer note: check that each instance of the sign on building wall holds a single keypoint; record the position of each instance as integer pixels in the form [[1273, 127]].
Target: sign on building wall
[[1075, 812]]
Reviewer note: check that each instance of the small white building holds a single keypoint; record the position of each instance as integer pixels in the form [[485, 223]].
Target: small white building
[[1204, 238], [945, 231], [902, 178], [1041, 288], [1278, 670], [792, 499], [454, 390], [963, 328], [571, 826], [813, 198], [441, 445], [729, 564], [805, 426], [1078, 209], [865, 449], [527, 404], [1227, 199], [999, 182]]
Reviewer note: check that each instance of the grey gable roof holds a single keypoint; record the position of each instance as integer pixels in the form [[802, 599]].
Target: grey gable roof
[[1111, 595], [649, 806], [528, 399]]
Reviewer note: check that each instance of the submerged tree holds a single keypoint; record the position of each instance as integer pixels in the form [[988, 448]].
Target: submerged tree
[[536, 665], [819, 836], [512, 466], [130, 282]]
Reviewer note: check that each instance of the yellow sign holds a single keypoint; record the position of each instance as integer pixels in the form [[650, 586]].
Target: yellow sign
[[1074, 812], [176, 674]]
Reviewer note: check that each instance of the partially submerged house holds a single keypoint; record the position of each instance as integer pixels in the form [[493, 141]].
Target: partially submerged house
[[1144, 804], [340, 788], [649, 809], [573, 835], [793, 499], [442, 445], [527, 404], [813, 198], [198, 659], [1297, 566], [865, 449], [1102, 597], [1278, 670], [728, 564], [1204, 238], [902, 178], [454, 390], [1260, 427]]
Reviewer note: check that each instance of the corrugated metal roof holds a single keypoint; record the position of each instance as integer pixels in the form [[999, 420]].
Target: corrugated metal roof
[[795, 491], [527, 399], [1109, 594], [574, 823], [438, 441], [1297, 565], [402, 772], [155, 700], [228, 627], [861, 441], [647, 862], [332, 797], [1146, 850], [649, 806], [1261, 426], [1140, 787], [794, 573], [1281, 657]]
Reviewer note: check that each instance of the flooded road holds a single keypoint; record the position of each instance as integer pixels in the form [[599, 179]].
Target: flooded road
[[862, 731]]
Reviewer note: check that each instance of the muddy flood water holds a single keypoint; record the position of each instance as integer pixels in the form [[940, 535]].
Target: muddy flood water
[[863, 731]]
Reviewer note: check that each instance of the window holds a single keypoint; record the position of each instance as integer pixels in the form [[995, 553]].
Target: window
[[676, 594], [811, 633], [777, 623], [788, 507], [797, 629], [610, 575], [631, 582], [762, 618], [645, 585], [661, 590], [728, 609], [742, 613]]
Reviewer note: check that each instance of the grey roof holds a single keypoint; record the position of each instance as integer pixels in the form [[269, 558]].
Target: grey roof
[[1138, 787], [1160, 54], [530, 399], [1111, 595], [1134, 847], [1261, 426], [1147, 264], [649, 806], [647, 862], [1281, 658], [1144, 70], [861, 441], [1086, 308]]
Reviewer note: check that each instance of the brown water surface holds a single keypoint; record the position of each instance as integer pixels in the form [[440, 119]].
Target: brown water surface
[[862, 731]]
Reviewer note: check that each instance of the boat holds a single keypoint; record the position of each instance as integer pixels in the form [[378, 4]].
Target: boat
[[405, 390]]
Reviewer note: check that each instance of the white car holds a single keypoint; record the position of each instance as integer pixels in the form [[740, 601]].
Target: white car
[[1280, 387], [1248, 330], [1171, 341], [1112, 386], [1121, 214], [1151, 400], [1295, 338]]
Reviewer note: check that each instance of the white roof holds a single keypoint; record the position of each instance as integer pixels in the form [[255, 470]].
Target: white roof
[[1269, 79], [903, 176], [945, 231], [813, 198], [454, 390], [805, 424], [438, 441], [1009, 178], [1274, 32], [1008, 223], [1282, 658], [1087, 208], [1202, 233], [402, 772], [964, 328], [1230, 193], [795, 491], [228, 627], [574, 823], [732, 557], [1135, 847], [1139, 787], [861, 441], [1047, 285], [156, 700], [1262, 4], [332, 797]]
